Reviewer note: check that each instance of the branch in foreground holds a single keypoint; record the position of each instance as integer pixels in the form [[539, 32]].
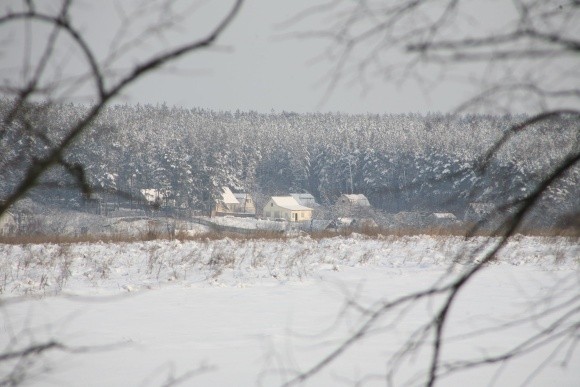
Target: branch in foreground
[[40, 166]]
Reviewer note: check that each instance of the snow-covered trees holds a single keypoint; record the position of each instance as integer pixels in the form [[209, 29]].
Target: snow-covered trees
[[400, 162]]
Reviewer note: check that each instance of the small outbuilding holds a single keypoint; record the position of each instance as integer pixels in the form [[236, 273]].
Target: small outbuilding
[[443, 219], [358, 200], [287, 208], [153, 196]]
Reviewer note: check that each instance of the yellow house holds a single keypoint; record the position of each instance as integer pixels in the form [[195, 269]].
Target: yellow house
[[286, 207]]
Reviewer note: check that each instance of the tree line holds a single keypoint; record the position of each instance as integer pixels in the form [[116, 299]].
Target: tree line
[[401, 162]]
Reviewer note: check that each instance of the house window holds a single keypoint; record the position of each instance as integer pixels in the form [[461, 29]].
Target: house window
[[302, 214]]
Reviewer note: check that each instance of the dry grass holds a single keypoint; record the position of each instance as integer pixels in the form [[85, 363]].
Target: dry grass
[[276, 235], [255, 234], [64, 239]]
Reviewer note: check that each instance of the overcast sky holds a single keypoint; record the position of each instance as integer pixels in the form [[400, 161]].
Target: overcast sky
[[255, 65], [265, 69], [258, 65]]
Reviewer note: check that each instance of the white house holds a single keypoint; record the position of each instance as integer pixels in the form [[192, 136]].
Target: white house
[[286, 207], [227, 202], [305, 199], [358, 200], [236, 204]]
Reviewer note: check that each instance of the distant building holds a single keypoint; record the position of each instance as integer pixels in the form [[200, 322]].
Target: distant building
[[443, 219], [353, 206], [353, 200], [246, 203], [155, 197], [8, 223], [305, 199], [236, 204], [287, 208]]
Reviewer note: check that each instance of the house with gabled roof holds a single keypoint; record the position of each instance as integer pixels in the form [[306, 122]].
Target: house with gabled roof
[[236, 204], [358, 200], [305, 199], [353, 205], [287, 208], [226, 203]]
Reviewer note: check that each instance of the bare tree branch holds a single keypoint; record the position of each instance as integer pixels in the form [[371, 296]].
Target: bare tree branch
[[56, 155]]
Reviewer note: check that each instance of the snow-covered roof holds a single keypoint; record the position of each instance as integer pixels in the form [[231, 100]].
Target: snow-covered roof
[[242, 196], [358, 199], [305, 199], [289, 203], [444, 215], [228, 197]]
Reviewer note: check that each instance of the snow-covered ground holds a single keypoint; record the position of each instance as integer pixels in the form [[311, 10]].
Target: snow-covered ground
[[249, 223], [254, 312]]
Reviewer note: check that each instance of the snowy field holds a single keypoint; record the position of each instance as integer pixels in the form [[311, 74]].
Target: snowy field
[[256, 312]]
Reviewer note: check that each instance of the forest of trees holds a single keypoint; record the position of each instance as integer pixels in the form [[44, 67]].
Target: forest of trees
[[401, 162]]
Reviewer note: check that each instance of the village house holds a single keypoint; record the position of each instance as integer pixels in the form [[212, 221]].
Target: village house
[[353, 200], [353, 205], [287, 208], [226, 203], [305, 199], [235, 204], [8, 223]]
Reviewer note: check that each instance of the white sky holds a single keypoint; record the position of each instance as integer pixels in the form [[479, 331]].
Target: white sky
[[253, 67], [256, 66], [262, 71]]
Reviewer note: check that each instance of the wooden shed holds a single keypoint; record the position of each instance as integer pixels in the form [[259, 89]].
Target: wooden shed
[[353, 200]]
